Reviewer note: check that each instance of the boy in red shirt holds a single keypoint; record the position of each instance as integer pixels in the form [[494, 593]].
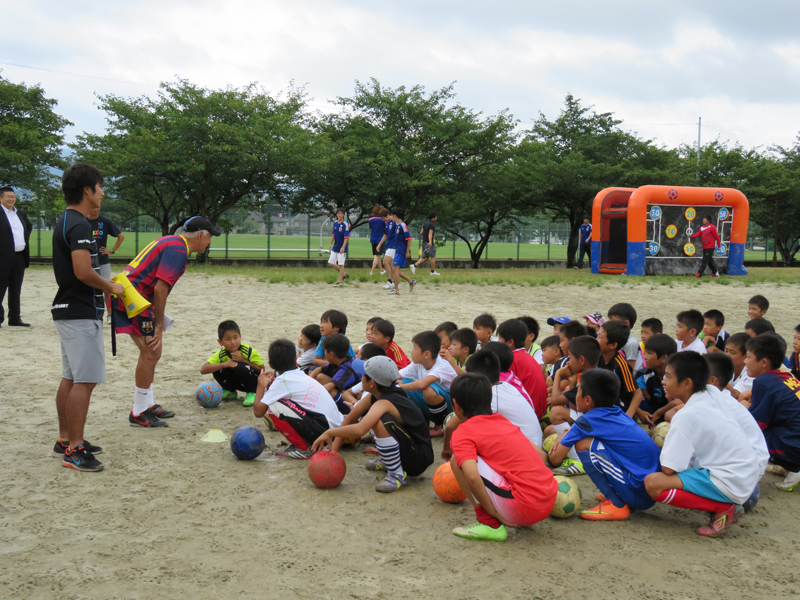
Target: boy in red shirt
[[711, 242], [383, 335], [502, 475], [513, 333]]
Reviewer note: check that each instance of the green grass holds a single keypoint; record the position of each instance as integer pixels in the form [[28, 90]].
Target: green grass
[[360, 248]]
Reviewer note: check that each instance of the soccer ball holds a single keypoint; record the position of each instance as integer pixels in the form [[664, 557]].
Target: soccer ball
[[549, 442], [326, 469], [568, 498], [351, 441], [659, 433], [447, 420], [446, 486], [209, 394]]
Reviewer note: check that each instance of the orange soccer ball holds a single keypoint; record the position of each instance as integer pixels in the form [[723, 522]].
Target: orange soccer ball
[[446, 486]]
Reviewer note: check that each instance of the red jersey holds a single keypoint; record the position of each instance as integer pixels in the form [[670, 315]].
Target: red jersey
[[530, 374], [164, 259], [396, 353], [710, 236], [506, 449]]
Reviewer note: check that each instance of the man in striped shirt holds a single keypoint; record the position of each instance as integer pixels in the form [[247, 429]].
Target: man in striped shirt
[[153, 273]]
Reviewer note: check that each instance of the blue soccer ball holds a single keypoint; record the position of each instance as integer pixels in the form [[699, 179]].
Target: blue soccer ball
[[209, 394], [247, 443]]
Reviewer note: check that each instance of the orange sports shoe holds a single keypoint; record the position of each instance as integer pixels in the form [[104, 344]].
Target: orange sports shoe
[[606, 511]]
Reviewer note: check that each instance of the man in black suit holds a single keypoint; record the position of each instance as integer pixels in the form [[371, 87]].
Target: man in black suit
[[15, 254]]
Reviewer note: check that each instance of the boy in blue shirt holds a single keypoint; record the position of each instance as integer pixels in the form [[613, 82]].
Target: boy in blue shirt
[[586, 242], [616, 453], [338, 246], [331, 321], [377, 229], [387, 241], [402, 252]]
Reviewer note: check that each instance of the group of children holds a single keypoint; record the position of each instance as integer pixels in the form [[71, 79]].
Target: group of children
[[492, 392]]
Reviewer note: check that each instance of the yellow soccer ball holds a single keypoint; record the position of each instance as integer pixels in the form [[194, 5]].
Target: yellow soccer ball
[[568, 498], [549, 442], [659, 433]]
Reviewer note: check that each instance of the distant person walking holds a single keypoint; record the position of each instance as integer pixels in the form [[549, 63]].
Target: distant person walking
[[15, 255], [428, 247], [711, 241], [586, 243], [377, 229]]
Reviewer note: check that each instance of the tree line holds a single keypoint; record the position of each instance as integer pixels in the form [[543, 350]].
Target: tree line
[[193, 150]]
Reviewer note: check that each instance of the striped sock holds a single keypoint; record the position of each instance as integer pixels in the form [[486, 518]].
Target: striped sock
[[438, 412], [390, 455]]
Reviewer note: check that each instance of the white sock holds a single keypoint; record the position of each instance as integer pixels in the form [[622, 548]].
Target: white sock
[[390, 454], [150, 400], [565, 427], [140, 399]]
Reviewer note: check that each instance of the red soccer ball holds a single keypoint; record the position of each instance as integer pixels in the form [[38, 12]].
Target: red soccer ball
[[326, 469]]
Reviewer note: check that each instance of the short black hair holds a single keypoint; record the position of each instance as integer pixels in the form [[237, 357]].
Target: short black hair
[[503, 353], [311, 332], [654, 325], [374, 320], [336, 318], [486, 363], [759, 301], [551, 341], [370, 350], [760, 325], [617, 332], [692, 319], [447, 327], [661, 344], [601, 386], [228, 326], [432, 215], [797, 329], [587, 347], [720, 366], [770, 346], [282, 356], [473, 392], [624, 311], [572, 330], [708, 218], [338, 344], [383, 389], [465, 337], [716, 316], [532, 325], [399, 213], [739, 340], [690, 365], [6, 188], [428, 341], [485, 320], [76, 178], [385, 328], [513, 330]]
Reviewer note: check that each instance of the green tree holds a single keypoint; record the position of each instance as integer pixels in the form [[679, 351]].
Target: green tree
[[195, 151], [31, 137]]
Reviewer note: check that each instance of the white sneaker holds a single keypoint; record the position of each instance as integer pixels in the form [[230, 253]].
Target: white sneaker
[[388, 286], [413, 269], [790, 483], [383, 272], [435, 273], [393, 291]]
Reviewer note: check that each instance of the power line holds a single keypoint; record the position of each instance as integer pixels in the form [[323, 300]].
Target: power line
[[8, 64]]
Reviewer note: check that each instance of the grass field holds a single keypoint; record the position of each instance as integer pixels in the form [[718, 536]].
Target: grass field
[[359, 248]]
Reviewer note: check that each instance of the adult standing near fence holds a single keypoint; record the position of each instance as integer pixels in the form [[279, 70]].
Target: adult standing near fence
[[586, 242], [102, 227], [153, 273], [711, 241], [15, 255], [428, 245]]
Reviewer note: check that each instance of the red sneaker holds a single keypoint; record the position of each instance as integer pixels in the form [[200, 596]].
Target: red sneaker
[[697, 275], [606, 511]]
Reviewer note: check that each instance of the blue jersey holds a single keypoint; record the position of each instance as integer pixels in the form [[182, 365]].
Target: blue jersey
[[586, 233], [776, 406], [624, 440], [341, 232], [391, 229], [377, 228], [320, 352], [401, 238]]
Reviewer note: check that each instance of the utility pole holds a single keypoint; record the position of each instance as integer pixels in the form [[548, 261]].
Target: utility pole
[[699, 127]]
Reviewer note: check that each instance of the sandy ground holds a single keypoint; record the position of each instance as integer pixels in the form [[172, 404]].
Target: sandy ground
[[174, 517]]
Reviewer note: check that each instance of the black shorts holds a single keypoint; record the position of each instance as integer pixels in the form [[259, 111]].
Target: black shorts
[[375, 251], [414, 458]]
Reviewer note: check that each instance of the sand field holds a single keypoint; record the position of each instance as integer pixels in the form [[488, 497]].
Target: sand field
[[174, 517]]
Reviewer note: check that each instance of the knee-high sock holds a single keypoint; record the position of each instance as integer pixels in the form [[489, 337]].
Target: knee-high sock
[[140, 401], [599, 479], [485, 518], [561, 427], [390, 455], [340, 404], [684, 499], [438, 412]]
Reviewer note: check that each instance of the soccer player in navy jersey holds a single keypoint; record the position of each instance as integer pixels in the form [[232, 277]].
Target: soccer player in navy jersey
[[153, 273], [338, 246], [377, 229]]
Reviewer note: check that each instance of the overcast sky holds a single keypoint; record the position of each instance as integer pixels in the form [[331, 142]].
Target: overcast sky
[[658, 66]]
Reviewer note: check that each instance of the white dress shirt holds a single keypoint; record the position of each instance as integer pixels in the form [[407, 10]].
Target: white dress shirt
[[16, 229]]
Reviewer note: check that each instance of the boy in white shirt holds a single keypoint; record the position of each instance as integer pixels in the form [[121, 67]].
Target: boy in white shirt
[[690, 324], [427, 379], [294, 403], [707, 462], [736, 348], [307, 347], [506, 400]]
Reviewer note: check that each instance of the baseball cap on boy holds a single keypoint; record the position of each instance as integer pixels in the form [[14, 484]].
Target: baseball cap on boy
[[381, 369], [595, 318], [553, 320]]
